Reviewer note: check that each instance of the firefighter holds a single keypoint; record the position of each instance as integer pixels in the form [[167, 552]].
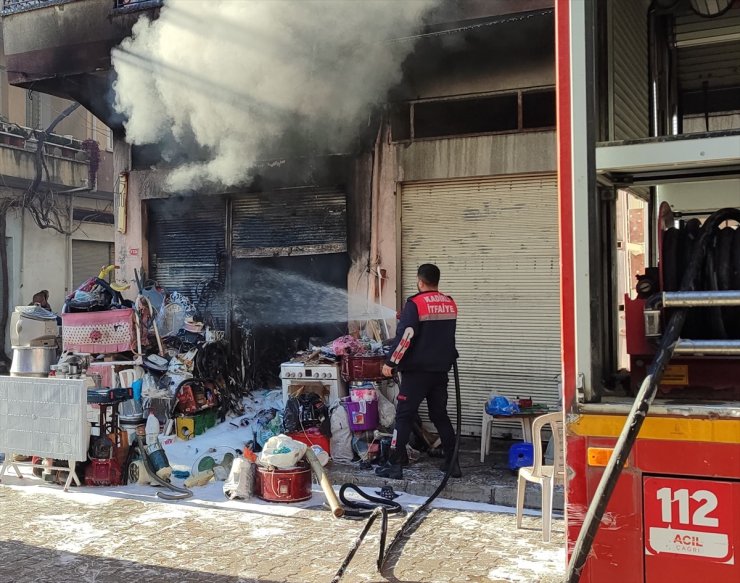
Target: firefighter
[[423, 352]]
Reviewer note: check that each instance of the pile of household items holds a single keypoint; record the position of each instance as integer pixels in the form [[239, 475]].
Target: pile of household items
[[150, 367], [158, 379], [337, 397]]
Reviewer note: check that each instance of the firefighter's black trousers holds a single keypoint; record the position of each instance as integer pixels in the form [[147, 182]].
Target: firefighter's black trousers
[[415, 387]]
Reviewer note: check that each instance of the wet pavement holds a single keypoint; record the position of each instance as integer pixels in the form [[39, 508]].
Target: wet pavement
[[490, 482], [117, 535]]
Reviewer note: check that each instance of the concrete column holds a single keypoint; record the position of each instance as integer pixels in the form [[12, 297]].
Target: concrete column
[[129, 225], [388, 250]]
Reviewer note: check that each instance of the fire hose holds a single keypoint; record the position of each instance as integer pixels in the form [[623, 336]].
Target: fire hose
[[643, 399], [385, 507]]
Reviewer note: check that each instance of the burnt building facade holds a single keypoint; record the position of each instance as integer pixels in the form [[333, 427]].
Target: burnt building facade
[[458, 168]]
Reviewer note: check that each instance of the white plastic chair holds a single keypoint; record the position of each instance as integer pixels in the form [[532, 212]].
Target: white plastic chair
[[545, 476]]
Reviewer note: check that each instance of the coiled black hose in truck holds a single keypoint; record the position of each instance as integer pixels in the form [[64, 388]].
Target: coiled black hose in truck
[[384, 507], [644, 399]]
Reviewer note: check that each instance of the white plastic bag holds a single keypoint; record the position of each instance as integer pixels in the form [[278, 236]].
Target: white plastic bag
[[341, 436], [281, 451], [240, 483], [386, 411]]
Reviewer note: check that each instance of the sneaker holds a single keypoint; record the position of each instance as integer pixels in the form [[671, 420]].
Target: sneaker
[[389, 470], [456, 472]]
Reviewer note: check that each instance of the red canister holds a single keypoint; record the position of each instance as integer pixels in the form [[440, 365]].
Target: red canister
[[284, 485]]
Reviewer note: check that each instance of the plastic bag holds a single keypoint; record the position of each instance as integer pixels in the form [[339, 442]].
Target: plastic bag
[[240, 483], [321, 455], [386, 411], [94, 295], [341, 436], [304, 411], [282, 452], [498, 405]]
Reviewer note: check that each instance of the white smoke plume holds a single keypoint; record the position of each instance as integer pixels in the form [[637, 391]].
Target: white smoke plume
[[229, 78]]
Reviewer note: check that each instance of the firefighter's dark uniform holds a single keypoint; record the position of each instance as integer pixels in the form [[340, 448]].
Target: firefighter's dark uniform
[[423, 352]]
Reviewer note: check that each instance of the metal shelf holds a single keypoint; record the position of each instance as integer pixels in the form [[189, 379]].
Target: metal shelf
[[668, 159]]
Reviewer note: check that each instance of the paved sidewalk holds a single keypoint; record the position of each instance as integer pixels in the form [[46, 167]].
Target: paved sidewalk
[[490, 482], [97, 536]]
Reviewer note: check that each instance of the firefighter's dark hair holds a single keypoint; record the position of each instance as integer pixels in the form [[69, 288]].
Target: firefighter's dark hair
[[429, 274]]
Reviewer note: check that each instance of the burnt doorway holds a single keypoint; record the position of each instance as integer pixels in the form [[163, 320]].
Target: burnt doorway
[[288, 276]]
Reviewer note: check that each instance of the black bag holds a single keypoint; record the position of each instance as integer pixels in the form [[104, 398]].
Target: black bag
[[304, 411]]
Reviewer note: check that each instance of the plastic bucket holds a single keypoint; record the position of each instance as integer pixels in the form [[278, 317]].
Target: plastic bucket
[[363, 415]]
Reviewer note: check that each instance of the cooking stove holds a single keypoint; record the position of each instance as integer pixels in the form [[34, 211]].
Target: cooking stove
[[295, 373]]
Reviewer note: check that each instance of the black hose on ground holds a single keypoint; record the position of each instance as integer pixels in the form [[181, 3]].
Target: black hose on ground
[[355, 509], [643, 400], [382, 510], [182, 493]]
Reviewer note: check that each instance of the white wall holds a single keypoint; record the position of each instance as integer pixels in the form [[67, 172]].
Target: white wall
[[42, 258], [709, 195]]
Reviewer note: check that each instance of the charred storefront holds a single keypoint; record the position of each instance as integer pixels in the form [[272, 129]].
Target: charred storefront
[[435, 144], [269, 267]]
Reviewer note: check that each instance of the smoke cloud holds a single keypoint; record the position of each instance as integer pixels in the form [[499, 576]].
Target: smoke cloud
[[221, 84]]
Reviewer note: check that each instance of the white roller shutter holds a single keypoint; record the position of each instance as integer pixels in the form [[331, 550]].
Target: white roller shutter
[[496, 243], [88, 257], [628, 73]]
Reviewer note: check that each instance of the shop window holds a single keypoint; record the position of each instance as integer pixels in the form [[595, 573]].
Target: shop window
[[538, 109], [466, 116], [145, 157], [400, 118], [92, 216]]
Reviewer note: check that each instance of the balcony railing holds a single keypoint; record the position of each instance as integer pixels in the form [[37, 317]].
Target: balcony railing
[[67, 147], [14, 6], [134, 5]]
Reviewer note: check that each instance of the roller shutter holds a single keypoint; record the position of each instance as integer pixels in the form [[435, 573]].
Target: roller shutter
[[186, 248], [709, 50], [289, 251], [496, 243], [88, 257], [628, 74], [295, 222]]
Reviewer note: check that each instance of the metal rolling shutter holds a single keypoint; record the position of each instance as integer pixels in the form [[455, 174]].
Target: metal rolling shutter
[[496, 243], [709, 50], [628, 75], [301, 222], [88, 257], [186, 238]]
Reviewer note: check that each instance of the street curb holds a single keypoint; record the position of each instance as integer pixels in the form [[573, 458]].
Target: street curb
[[457, 489]]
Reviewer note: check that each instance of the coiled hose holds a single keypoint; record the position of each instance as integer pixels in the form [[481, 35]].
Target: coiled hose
[[643, 399], [385, 507]]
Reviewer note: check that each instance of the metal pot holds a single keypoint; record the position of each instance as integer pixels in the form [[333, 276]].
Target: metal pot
[[284, 485], [32, 361], [131, 413]]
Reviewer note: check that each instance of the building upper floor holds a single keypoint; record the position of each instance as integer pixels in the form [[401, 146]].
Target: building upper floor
[[23, 111]]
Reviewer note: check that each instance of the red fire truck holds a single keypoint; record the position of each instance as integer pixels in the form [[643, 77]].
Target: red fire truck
[[649, 170]]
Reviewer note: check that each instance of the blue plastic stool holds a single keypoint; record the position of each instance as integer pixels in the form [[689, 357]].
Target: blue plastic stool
[[521, 455]]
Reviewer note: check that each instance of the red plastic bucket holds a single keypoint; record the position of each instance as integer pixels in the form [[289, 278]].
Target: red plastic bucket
[[311, 437], [363, 415]]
